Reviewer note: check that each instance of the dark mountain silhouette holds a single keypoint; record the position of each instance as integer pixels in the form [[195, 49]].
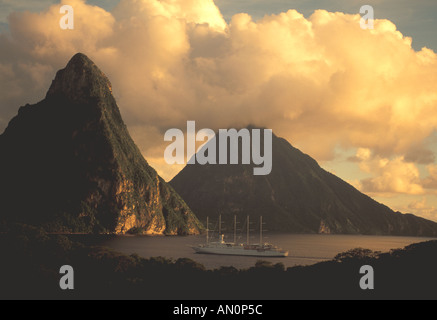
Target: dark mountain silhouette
[[69, 164], [297, 196]]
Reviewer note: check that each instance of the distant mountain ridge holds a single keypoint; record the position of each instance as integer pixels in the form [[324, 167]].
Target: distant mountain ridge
[[69, 164], [297, 196]]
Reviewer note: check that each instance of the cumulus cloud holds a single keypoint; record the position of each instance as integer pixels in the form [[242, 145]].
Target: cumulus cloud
[[430, 181], [391, 176], [420, 154], [422, 208], [321, 82]]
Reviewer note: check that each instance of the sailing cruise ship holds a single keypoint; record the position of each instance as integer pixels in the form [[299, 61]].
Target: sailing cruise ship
[[233, 248]]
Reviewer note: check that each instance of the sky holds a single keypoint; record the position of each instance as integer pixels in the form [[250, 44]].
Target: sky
[[362, 102]]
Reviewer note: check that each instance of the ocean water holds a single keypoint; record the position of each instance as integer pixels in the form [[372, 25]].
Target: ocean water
[[304, 249]]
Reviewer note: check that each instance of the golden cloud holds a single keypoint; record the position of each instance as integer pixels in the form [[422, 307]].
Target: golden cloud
[[391, 176], [321, 82]]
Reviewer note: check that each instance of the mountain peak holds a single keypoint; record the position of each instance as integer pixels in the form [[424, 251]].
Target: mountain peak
[[297, 196], [89, 176], [81, 79]]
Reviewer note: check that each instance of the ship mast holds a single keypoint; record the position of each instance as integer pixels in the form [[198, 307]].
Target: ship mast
[[247, 240], [207, 220], [235, 229], [260, 230], [220, 227]]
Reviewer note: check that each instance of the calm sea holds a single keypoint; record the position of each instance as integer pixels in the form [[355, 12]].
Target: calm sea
[[304, 249]]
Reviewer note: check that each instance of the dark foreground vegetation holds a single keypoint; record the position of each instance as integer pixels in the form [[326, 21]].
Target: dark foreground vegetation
[[31, 260]]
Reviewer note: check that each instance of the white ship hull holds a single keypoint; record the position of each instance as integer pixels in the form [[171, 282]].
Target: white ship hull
[[241, 251], [232, 248]]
